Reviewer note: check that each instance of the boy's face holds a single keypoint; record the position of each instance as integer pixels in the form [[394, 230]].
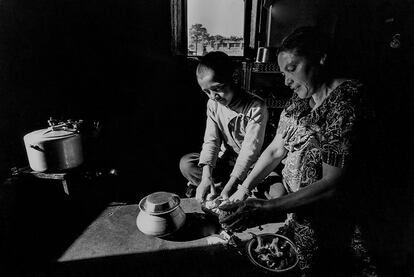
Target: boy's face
[[219, 92]]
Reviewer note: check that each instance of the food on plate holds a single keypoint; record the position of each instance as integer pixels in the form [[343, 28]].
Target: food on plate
[[272, 252]]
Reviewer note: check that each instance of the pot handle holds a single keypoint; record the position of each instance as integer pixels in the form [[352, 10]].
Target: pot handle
[[36, 147]]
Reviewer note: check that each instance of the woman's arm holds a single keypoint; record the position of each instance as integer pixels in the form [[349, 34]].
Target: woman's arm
[[253, 212], [322, 189], [266, 163]]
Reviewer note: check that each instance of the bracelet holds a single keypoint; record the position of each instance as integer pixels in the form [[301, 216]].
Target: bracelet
[[245, 190]]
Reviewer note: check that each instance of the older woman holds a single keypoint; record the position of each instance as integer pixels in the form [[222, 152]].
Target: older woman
[[316, 140]]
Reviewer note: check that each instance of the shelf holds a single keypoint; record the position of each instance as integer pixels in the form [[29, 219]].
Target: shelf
[[266, 81], [265, 68]]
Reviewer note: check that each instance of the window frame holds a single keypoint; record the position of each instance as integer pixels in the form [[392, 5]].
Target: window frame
[[255, 28]]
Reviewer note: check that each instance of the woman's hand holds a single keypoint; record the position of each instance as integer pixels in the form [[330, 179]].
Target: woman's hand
[[229, 188], [239, 195], [241, 215], [225, 194]]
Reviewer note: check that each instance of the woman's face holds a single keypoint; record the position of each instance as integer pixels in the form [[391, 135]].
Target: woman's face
[[300, 73], [219, 92]]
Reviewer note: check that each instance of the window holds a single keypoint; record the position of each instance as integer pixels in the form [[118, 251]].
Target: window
[[215, 25], [232, 26]]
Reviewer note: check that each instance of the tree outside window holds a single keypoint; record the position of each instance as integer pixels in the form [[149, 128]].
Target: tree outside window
[[199, 38]]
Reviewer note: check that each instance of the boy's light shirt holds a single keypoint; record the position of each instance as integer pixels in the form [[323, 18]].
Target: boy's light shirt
[[238, 131]]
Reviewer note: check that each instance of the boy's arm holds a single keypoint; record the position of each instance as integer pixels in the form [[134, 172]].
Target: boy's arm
[[251, 146], [206, 184], [209, 152], [212, 138], [267, 162]]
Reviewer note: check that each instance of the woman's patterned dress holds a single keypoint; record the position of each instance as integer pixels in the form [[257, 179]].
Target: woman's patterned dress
[[324, 232]]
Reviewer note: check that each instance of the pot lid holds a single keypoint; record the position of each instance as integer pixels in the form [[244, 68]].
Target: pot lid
[[49, 134], [159, 202]]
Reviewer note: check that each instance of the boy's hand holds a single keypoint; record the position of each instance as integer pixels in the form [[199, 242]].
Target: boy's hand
[[206, 186]]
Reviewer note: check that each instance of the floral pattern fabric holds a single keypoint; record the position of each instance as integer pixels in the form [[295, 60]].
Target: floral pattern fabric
[[323, 135]]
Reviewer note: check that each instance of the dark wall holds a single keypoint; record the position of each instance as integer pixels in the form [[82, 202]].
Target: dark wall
[[363, 33], [106, 61]]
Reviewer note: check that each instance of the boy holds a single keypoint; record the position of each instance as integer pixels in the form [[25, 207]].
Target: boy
[[235, 129]]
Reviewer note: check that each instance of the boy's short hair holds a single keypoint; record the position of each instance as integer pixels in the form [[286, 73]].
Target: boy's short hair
[[218, 62]]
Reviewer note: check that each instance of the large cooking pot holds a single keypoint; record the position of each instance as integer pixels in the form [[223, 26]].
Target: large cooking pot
[[53, 150], [160, 214]]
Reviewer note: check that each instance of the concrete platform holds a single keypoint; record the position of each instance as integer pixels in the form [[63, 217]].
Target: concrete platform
[[195, 250]]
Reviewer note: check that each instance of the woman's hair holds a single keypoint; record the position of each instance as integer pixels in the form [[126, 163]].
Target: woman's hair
[[218, 62], [307, 42]]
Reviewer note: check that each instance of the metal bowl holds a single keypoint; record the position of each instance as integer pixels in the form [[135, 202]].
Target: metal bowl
[[290, 254], [159, 203]]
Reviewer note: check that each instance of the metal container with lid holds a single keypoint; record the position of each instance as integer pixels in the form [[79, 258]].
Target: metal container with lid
[[160, 214], [159, 202], [53, 150]]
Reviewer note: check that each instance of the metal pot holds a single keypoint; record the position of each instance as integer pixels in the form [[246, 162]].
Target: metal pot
[[53, 150], [160, 214]]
